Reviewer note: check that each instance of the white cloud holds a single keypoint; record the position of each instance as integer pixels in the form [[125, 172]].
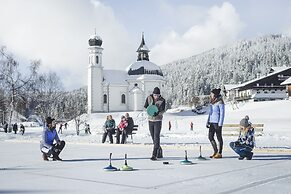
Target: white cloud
[[57, 32], [222, 25]]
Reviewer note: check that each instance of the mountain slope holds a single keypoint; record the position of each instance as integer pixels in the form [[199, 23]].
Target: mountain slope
[[232, 64]]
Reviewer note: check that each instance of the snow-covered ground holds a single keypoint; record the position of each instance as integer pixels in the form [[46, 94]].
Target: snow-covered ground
[[275, 115], [23, 171]]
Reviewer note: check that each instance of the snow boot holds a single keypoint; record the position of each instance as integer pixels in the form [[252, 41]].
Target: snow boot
[[217, 155], [212, 155], [44, 157], [241, 158], [153, 158], [250, 156]]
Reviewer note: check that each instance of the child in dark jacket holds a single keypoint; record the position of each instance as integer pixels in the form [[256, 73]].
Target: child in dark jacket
[[246, 141]]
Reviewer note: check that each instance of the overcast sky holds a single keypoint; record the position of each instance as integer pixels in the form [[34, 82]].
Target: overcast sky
[[57, 31]]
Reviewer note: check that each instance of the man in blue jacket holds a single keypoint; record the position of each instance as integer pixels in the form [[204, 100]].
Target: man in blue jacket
[[47, 145], [215, 122]]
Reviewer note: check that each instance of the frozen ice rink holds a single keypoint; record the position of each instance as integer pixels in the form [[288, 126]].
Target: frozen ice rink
[[81, 171]]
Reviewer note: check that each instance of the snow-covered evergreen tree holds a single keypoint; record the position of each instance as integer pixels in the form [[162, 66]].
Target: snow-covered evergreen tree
[[233, 64]]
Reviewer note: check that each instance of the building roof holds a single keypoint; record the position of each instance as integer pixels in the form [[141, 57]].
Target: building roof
[[230, 86], [115, 77], [275, 69], [144, 67], [147, 77], [263, 77], [286, 82]]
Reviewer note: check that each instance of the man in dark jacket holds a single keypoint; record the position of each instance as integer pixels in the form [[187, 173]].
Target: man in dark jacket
[[47, 146], [155, 121]]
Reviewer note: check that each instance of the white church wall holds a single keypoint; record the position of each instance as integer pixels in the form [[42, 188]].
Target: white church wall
[[94, 89], [114, 102], [136, 100]]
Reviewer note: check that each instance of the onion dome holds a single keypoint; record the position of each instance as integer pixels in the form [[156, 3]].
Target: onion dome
[[95, 40]]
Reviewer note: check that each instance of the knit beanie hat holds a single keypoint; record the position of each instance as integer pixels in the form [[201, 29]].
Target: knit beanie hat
[[156, 90], [49, 120], [245, 121], [216, 92]]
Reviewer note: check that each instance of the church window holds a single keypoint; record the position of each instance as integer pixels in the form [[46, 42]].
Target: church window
[[123, 98], [97, 59], [105, 99]]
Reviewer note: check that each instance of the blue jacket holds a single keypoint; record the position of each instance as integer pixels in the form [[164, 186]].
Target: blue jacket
[[48, 137], [216, 113]]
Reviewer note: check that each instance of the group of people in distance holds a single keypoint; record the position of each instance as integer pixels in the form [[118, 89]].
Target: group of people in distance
[[14, 128], [243, 146], [123, 129]]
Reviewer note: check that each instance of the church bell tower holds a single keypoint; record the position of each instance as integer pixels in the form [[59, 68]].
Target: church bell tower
[[95, 75]]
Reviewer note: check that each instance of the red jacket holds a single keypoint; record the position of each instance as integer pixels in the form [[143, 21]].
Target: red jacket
[[122, 125]]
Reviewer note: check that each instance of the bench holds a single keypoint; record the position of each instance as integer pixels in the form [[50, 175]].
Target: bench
[[135, 127], [234, 129]]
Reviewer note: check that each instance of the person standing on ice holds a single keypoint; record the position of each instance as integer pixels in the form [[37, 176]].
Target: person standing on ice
[[47, 145], [155, 121], [215, 122], [245, 143]]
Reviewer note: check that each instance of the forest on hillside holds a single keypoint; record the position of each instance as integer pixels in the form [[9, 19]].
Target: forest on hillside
[[232, 64]]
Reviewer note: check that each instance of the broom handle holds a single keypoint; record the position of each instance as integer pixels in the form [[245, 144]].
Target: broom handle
[[110, 158]]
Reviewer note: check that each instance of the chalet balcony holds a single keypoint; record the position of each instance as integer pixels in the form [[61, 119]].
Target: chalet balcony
[[243, 98]]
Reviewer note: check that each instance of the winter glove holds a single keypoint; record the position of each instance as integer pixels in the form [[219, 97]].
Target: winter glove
[[236, 143], [156, 114], [208, 125]]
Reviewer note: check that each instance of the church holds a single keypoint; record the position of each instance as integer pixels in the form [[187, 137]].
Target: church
[[117, 90]]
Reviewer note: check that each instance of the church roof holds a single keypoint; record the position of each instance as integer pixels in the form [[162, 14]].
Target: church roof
[[144, 67], [115, 77], [146, 77]]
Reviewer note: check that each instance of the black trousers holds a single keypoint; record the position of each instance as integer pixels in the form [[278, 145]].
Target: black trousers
[[109, 133], [215, 129], [56, 149], [155, 130], [123, 136]]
